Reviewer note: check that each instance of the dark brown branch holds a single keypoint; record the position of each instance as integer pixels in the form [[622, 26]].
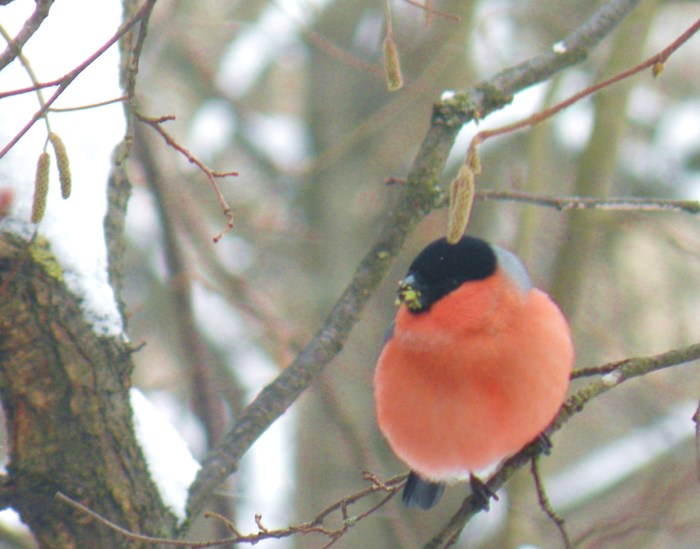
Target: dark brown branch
[[624, 371], [418, 198]]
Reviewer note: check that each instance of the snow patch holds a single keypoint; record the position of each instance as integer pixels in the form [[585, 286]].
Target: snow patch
[[169, 460], [74, 227]]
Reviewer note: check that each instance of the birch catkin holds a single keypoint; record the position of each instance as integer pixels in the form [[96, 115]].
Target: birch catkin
[[41, 187], [392, 66], [64, 175], [461, 200]]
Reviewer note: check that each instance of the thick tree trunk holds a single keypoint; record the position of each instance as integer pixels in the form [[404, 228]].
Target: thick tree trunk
[[65, 394]]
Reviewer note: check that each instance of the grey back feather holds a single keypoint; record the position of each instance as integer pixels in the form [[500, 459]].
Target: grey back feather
[[514, 268]]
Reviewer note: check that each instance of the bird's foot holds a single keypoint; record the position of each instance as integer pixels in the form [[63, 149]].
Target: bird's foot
[[541, 445], [482, 494]]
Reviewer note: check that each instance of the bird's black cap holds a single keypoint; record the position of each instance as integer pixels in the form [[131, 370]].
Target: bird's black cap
[[442, 267]]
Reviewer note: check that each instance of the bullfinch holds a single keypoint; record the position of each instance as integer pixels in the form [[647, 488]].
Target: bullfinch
[[475, 366]]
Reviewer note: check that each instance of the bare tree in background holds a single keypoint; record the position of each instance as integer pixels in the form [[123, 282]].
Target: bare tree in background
[[339, 183]]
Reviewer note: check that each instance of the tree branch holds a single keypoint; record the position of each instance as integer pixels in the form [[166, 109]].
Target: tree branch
[[65, 396], [545, 505], [566, 203], [617, 373], [496, 92], [119, 185], [388, 489], [68, 78], [157, 125], [31, 25], [206, 402], [418, 198]]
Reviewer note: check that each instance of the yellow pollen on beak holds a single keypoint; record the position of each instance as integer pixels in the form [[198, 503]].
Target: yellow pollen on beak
[[408, 295]]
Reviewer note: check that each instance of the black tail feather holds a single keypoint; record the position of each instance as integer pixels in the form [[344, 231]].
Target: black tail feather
[[421, 493]]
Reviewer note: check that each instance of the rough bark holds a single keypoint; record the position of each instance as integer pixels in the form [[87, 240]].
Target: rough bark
[[65, 394]]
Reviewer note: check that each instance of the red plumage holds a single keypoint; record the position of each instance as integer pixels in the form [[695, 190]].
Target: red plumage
[[474, 378]]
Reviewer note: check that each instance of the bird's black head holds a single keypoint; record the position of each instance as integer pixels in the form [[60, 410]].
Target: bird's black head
[[442, 267]]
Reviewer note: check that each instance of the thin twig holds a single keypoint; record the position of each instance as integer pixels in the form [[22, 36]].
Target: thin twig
[[626, 370], [68, 78], [123, 531], [315, 526], [459, 219], [545, 505], [30, 72], [205, 396], [431, 10], [565, 203], [32, 88], [90, 105], [390, 486], [31, 25], [388, 112], [224, 520], [156, 124], [653, 62]]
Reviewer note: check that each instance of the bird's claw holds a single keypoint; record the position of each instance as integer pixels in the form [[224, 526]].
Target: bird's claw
[[541, 445], [482, 493]]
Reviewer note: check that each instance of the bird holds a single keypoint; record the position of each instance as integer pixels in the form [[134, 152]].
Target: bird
[[474, 367]]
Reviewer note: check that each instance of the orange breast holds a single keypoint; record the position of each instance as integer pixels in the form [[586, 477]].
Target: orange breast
[[473, 380]]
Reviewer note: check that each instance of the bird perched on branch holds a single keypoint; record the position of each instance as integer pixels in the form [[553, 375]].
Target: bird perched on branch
[[475, 366]]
